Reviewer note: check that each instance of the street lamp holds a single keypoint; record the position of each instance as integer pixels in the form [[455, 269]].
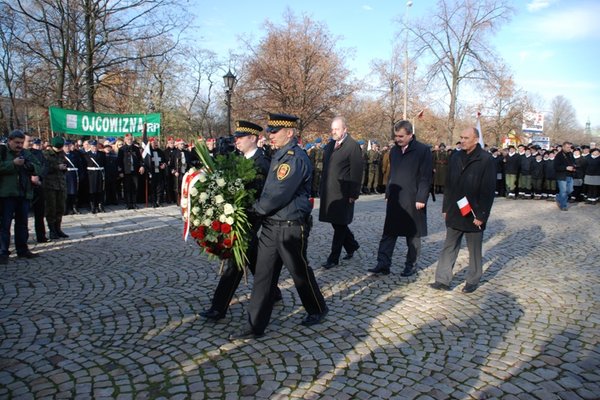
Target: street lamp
[[229, 80], [408, 5]]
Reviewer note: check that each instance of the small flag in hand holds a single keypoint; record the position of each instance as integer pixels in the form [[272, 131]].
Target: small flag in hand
[[464, 206]]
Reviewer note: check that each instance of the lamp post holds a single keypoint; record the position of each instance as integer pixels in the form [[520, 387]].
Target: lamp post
[[229, 80], [408, 5]]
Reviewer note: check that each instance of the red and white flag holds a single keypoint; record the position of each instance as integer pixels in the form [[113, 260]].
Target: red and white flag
[[464, 206]]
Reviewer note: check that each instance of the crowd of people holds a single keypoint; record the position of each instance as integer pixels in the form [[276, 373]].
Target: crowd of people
[[62, 176]]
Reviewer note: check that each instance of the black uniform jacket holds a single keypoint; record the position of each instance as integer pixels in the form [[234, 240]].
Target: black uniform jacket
[[285, 196]]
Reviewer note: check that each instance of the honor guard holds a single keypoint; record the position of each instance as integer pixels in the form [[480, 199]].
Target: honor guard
[[285, 208]]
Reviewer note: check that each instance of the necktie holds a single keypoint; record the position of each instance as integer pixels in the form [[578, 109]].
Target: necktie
[[337, 145]]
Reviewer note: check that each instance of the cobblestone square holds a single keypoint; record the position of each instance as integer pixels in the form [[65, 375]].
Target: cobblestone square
[[112, 312]]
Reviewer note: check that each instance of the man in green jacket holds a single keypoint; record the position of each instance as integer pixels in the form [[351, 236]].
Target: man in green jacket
[[17, 166]]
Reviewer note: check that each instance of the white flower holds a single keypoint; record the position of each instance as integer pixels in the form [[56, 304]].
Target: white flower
[[203, 197], [228, 209], [229, 220], [221, 182], [206, 222], [209, 212], [202, 178], [222, 218], [219, 199], [184, 203], [194, 192], [196, 222], [196, 210]]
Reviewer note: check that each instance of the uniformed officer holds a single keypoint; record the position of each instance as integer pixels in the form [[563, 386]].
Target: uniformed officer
[[95, 162], [246, 137], [285, 207]]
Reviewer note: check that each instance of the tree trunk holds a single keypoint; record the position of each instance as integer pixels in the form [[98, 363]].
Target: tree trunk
[[90, 37]]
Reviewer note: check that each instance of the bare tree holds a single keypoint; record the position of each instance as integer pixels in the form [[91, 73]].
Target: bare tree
[[562, 122], [455, 37], [295, 68]]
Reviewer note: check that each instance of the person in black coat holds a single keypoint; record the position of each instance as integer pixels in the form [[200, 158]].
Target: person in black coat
[[564, 165], [131, 167], [340, 187], [95, 162], [471, 177], [245, 137], [512, 162], [411, 172], [537, 176]]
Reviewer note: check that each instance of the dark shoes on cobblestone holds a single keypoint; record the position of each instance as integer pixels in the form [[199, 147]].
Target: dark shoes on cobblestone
[[246, 333], [44, 239], [439, 286], [314, 319], [28, 254], [350, 254], [469, 288], [329, 264], [409, 270], [213, 315], [379, 270]]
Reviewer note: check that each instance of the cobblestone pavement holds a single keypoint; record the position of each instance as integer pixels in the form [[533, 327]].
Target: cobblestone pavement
[[112, 312]]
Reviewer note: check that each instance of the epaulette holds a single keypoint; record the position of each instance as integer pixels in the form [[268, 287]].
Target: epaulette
[[290, 152]]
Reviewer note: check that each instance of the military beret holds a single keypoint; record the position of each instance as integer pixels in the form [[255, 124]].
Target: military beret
[[279, 121], [361, 142], [68, 142], [36, 141], [93, 142], [318, 140], [57, 142], [245, 128]]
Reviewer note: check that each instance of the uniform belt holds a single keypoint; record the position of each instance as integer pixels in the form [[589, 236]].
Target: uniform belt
[[275, 222], [72, 169], [95, 168]]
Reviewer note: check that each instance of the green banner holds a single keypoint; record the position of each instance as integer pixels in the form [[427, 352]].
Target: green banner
[[73, 122]]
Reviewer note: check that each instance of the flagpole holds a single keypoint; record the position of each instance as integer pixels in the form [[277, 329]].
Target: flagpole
[[475, 216]]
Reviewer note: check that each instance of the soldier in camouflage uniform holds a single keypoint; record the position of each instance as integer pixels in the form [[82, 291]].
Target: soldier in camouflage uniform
[[374, 160], [55, 187]]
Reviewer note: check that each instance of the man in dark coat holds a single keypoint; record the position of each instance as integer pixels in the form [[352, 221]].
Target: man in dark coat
[[564, 165], [340, 187], [131, 167], [467, 204], [156, 164], [411, 166]]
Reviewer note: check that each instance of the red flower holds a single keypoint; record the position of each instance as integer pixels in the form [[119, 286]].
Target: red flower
[[227, 242], [198, 233], [216, 225], [225, 228]]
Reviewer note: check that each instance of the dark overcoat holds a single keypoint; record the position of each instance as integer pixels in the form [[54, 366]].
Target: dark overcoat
[[410, 180], [472, 176], [341, 180]]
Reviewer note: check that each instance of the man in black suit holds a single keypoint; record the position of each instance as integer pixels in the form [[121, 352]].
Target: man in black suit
[[340, 187]]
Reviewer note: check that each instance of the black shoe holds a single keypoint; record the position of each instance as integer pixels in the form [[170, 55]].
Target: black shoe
[[409, 270], [28, 254], [3, 260], [350, 254], [314, 319], [329, 264], [469, 288], [54, 235], [62, 234], [439, 286], [277, 295], [246, 333], [45, 239], [379, 270], [212, 314]]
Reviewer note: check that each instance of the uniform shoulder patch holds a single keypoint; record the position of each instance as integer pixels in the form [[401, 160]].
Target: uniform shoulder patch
[[290, 152], [283, 171]]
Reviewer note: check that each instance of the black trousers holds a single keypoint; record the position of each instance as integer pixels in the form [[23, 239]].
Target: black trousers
[[157, 187], [386, 250], [279, 244], [232, 275], [39, 212], [342, 237], [443, 272], [130, 187]]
